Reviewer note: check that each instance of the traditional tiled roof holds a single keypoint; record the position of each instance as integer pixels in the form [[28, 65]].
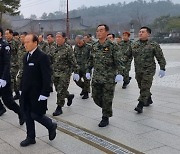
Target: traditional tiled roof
[[52, 25]]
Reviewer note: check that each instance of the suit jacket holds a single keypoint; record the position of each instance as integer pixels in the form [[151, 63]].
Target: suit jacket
[[36, 80], [5, 57]]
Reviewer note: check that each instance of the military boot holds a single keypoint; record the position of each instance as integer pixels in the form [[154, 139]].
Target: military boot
[[17, 95], [58, 111], [104, 122], [149, 101], [86, 95], [82, 93], [70, 98], [126, 83], [139, 107]]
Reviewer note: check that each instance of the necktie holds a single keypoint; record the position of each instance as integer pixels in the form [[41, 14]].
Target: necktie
[[29, 55]]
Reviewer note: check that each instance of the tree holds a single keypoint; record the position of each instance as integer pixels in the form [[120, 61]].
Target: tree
[[33, 16], [173, 24], [51, 16], [9, 7], [44, 16], [160, 23]]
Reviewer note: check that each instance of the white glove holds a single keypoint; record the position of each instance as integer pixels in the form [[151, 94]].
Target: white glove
[[2, 83], [161, 73], [42, 98], [88, 76], [76, 77], [118, 78]]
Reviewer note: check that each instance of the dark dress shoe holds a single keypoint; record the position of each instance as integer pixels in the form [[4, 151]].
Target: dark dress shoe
[[21, 121], [58, 111], [2, 111], [52, 132], [51, 89], [27, 141], [70, 98], [104, 122], [17, 96]]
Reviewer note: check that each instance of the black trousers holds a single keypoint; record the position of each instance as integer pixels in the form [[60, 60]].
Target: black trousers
[[31, 117], [7, 98]]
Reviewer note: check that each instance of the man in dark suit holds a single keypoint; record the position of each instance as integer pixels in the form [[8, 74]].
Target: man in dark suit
[[5, 80], [35, 87]]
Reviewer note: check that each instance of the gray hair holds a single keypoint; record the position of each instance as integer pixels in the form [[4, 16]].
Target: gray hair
[[80, 37], [63, 34]]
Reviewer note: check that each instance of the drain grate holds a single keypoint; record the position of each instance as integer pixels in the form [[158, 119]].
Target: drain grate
[[93, 139]]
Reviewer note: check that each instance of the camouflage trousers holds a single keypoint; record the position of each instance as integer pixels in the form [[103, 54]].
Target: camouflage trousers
[[126, 74], [103, 95], [19, 77], [61, 86], [14, 72], [144, 81], [83, 82]]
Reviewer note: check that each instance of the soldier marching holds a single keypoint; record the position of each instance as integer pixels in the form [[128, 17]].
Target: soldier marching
[[105, 61]]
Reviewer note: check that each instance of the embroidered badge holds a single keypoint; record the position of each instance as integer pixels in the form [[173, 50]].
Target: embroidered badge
[[106, 49], [8, 49]]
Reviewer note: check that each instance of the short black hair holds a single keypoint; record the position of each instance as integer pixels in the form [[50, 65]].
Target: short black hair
[[147, 28], [113, 35], [63, 34], [24, 33], [50, 35], [1, 31], [88, 35], [10, 31], [15, 34], [106, 26]]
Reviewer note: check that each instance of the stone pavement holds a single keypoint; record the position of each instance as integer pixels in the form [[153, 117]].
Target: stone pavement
[[155, 131]]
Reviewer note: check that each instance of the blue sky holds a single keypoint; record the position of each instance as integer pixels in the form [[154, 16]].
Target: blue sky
[[38, 7]]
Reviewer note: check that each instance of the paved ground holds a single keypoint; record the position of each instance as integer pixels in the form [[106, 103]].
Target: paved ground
[[156, 131]]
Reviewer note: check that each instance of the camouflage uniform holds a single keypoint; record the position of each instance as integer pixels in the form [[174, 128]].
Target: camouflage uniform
[[42, 45], [145, 66], [125, 48], [50, 49], [63, 60], [90, 42], [21, 53], [106, 61], [82, 55], [14, 64]]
